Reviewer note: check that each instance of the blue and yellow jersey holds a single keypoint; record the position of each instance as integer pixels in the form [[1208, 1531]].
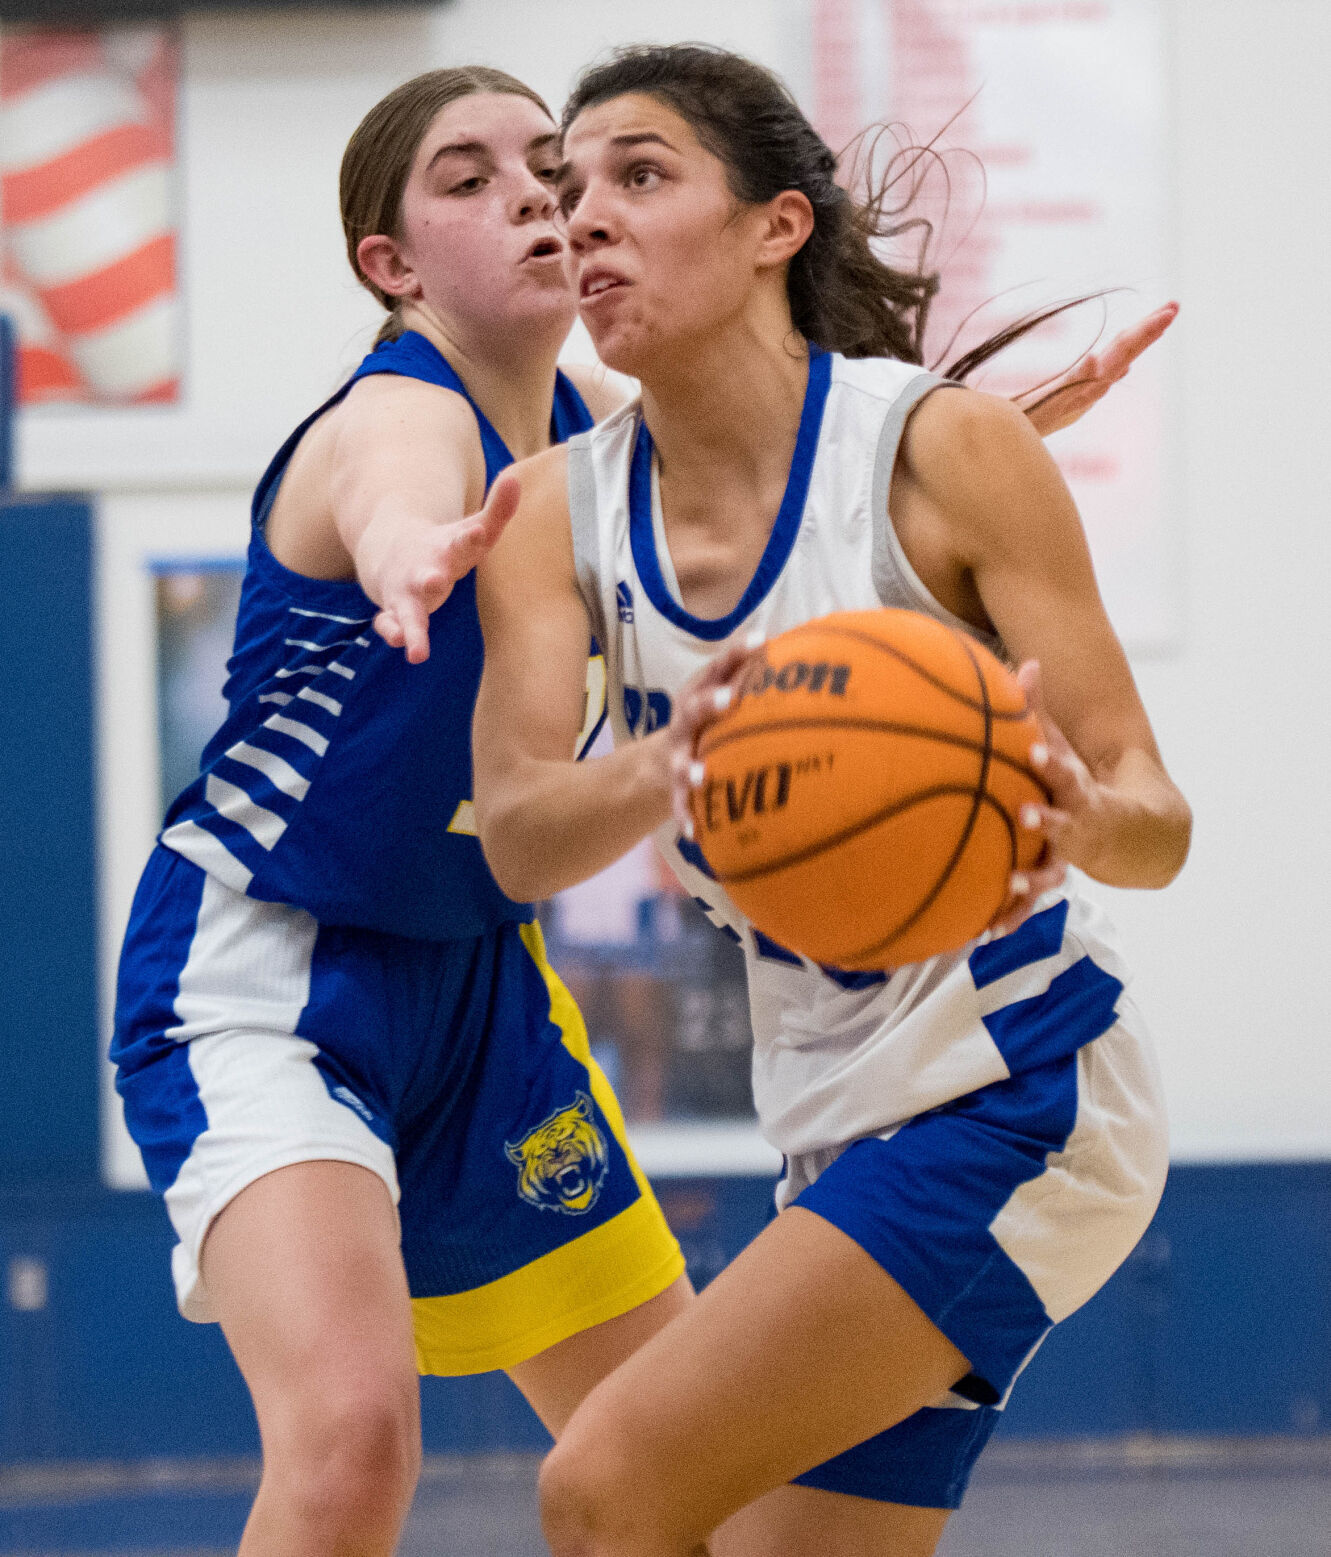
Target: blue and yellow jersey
[[341, 779]]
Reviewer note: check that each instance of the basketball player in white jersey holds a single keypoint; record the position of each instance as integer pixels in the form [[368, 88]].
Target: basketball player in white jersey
[[973, 1144]]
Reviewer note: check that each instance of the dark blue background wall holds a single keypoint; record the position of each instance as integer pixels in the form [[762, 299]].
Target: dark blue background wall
[[48, 925]]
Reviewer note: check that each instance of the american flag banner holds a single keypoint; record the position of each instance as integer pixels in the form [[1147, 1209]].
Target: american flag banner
[[87, 213]]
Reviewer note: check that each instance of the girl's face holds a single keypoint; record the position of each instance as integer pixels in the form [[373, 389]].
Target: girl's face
[[661, 252], [477, 243]]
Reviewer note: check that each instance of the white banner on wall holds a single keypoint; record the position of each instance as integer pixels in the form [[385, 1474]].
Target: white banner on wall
[[1061, 104]]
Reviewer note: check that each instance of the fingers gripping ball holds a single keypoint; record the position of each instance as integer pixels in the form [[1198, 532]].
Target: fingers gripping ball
[[860, 800]]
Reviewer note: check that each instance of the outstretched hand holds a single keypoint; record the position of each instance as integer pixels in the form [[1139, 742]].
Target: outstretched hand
[[419, 568], [1090, 380]]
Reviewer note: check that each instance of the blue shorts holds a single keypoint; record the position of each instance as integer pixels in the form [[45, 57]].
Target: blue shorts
[[249, 1037], [999, 1214]]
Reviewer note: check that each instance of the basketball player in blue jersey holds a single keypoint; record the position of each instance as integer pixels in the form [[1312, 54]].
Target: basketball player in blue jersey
[[975, 1143], [366, 1098]]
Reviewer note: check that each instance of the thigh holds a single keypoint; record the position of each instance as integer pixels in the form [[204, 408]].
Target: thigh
[[808, 1522], [799, 1350], [305, 1275], [557, 1380]]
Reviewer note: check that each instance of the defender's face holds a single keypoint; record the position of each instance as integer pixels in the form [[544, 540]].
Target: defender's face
[[661, 252], [477, 229]]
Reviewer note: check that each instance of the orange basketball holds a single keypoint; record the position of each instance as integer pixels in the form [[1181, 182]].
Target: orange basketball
[[860, 799]]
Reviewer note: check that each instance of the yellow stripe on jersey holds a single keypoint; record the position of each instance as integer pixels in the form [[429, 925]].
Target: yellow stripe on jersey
[[598, 1276]]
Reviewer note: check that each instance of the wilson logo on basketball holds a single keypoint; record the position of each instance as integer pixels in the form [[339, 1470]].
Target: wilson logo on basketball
[[797, 675]]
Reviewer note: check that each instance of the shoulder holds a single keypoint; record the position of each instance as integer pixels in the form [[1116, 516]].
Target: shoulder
[[959, 437], [982, 469], [391, 423], [388, 401], [958, 422], [604, 391]]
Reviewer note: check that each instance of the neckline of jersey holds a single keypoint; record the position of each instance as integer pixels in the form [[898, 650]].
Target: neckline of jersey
[[785, 528]]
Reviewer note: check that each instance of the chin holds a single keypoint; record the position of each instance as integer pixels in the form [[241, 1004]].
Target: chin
[[620, 350]]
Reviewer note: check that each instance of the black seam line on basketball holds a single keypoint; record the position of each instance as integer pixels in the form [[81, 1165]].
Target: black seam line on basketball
[[880, 946], [977, 800], [707, 747], [811, 851], [934, 681]]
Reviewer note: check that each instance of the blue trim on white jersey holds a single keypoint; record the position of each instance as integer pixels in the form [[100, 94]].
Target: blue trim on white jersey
[[1039, 937], [780, 543], [1079, 1005]]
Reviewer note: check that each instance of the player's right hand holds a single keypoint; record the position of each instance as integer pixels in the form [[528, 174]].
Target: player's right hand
[[412, 571]]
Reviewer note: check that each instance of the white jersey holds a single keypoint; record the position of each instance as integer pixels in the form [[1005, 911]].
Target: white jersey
[[838, 1055]]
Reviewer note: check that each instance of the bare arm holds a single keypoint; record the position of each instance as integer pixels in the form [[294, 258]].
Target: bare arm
[[1010, 523], [385, 486], [546, 821]]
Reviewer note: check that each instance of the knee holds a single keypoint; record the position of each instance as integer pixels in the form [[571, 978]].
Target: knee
[[349, 1453], [595, 1503], [580, 1510]]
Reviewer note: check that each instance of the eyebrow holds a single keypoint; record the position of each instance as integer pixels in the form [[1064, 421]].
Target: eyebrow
[[481, 149], [631, 138]]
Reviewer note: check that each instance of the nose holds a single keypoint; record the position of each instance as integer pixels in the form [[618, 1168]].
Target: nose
[[591, 223], [535, 199]]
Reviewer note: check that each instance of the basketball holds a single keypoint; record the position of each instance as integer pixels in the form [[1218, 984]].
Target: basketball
[[860, 799]]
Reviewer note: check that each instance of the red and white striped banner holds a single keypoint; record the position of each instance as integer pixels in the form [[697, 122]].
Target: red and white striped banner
[[87, 213]]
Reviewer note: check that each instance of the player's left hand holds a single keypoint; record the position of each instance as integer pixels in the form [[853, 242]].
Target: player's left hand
[[1091, 379], [1068, 821], [701, 702]]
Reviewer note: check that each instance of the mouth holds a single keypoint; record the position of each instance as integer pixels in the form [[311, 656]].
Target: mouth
[[544, 248], [596, 283]]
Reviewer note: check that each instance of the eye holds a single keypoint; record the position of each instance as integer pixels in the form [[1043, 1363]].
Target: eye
[[643, 175], [469, 186], [548, 174], [568, 200]]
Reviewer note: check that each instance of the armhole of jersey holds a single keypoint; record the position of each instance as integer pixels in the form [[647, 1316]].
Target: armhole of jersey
[[583, 522], [895, 581]]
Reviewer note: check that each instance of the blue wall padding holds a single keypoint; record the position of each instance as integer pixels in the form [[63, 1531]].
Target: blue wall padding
[[1219, 1324], [48, 930]]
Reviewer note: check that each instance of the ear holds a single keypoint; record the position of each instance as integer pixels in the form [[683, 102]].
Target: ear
[[381, 261], [514, 1153], [584, 1105], [787, 228]]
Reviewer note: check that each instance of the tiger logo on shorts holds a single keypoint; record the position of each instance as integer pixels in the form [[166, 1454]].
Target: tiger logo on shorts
[[563, 1161]]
